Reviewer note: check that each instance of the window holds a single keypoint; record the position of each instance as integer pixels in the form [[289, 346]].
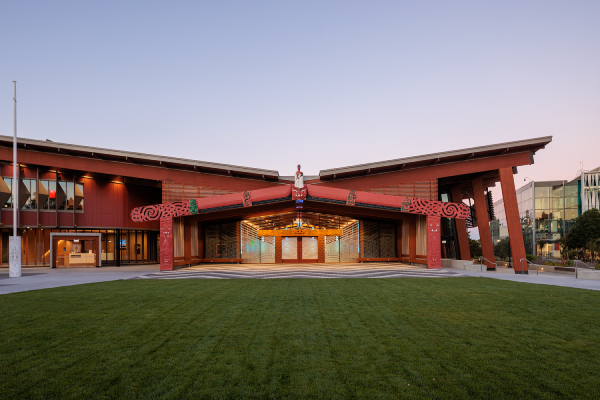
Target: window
[[79, 206], [50, 203], [8, 182], [68, 188], [31, 202]]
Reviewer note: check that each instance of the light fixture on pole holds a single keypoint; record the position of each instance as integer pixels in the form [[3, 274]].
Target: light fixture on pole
[[14, 242]]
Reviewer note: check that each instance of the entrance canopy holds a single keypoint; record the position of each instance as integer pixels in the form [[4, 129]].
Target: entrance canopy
[[316, 193], [306, 227]]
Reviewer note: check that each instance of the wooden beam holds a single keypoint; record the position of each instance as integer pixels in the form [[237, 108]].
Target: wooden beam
[[483, 224], [513, 221], [461, 228]]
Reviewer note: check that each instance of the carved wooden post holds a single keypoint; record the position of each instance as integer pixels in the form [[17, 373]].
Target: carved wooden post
[[434, 242], [166, 244]]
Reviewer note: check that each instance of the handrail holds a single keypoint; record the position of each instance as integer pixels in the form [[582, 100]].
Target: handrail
[[575, 263], [481, 262], [537, 267]]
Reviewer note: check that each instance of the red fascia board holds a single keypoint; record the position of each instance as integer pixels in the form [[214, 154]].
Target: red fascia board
[[219, 201], [327, 192], [276, 192], [379, 199], [238, 198]]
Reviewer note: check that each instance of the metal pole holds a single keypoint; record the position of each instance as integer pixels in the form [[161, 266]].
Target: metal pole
[[14, 242]]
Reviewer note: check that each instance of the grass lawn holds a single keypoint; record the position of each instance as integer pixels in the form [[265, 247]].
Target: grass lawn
[[307, 338]]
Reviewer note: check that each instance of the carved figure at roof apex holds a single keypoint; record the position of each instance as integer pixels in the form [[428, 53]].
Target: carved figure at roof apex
[[299, 181]]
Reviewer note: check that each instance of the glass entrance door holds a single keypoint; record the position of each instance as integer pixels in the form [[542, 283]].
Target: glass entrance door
[[289, 249], [310, 249], [299, 249]]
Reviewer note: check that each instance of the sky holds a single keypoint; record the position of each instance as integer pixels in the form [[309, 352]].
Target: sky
[[325, 84]]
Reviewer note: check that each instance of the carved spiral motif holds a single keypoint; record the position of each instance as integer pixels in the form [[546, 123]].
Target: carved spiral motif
[[157, 211]]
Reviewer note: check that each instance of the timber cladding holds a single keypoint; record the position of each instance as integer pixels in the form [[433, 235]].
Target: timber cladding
[[427, 189], [172, 192]]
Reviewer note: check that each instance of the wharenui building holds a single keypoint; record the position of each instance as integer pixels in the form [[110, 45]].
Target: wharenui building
[[83, 206]]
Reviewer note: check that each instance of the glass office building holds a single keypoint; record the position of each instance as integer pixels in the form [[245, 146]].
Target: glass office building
[[548, 210]]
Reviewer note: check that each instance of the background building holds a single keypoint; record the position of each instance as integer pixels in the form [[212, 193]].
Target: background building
[[547, 210]]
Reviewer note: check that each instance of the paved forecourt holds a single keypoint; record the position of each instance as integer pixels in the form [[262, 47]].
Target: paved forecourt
[[273, 271]]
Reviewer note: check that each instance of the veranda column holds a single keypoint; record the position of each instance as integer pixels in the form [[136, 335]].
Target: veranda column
[[434, 242], [200, 240], [278, 250], [321, 248], [166, 244], [461, 229], [513, 222], [412, 240], [187, 240], [483, 224], [399, 240]]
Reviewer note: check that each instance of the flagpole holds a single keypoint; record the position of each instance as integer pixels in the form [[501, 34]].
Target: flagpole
[[14, 242]]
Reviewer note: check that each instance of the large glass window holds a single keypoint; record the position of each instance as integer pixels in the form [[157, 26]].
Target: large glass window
[[31, 185], [542, 203], [31, 202], [8, 182], [69, 190], [50, 186], [541, 192], [557, 191], [80, 205]]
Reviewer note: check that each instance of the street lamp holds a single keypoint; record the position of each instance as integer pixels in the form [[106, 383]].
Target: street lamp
[[14, 241]]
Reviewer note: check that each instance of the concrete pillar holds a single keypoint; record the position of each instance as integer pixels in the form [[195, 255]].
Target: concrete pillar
[[513, 220]]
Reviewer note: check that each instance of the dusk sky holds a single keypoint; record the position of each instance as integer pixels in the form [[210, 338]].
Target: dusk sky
[[324, 84]]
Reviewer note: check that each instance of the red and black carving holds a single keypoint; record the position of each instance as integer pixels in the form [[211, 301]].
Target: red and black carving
[[298, 193], [351, 200], [157, 211], [247, 199], [439, 208]]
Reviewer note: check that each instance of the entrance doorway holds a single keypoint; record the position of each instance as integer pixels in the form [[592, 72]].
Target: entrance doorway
[[298, 249], [75, 249]]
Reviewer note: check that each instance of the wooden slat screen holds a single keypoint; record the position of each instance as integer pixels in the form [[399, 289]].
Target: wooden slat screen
[[422, 190], [178, 192]]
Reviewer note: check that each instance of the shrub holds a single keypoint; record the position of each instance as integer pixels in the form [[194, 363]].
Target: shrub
[[530, 257]]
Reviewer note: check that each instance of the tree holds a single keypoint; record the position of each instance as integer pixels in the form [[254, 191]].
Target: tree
[[593, 246], [474, 246], [564, 249], [542, 243], [586, 229], [502, 248]]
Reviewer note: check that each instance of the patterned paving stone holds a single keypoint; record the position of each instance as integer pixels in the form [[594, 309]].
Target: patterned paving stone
[[274, 271]]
